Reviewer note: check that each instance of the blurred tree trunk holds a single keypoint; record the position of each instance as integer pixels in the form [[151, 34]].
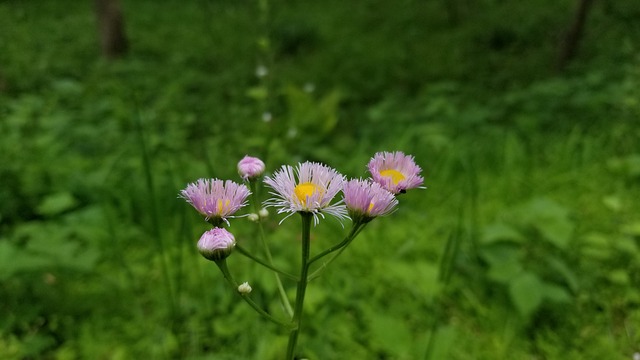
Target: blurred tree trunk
[[113, 41], [573, 35]]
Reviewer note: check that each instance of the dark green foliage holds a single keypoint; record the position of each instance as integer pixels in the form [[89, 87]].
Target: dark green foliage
[[524, 245]]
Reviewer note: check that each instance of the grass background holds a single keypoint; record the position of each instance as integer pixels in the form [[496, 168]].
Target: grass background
[[523, 246]]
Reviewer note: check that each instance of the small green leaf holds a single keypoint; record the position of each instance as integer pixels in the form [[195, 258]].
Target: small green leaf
[[626, 245], [57, 203], [526, 293], [498, 253], [561, 268], [389, 333], [444, 341], [504, 272], [619, 277], [555, 293], [612, 202], [549, 218], [596, 246], [632, 229], [500, 232]]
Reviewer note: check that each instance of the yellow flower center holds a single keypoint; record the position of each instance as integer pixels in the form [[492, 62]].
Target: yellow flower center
[[371, 204], [222, 206], [396, 176], [305, 190]]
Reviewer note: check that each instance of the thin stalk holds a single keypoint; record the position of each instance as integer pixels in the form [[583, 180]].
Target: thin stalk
[[283, 294], [222, 264], [155, 217], [447, 263], [246, 253], [355, 230], [302, 284]]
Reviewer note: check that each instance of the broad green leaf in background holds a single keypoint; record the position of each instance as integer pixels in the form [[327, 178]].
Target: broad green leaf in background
[[549, 218]]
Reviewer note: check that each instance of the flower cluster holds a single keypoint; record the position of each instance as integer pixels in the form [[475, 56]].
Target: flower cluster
[[309, 187]]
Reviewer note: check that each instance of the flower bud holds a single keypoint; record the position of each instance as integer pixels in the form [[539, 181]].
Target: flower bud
[[244, 288], [250, 167], [253, 217], [216, 244], [263, 213]]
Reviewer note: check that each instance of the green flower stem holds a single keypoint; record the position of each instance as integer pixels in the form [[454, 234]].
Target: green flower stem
[[302, 284], [355, 230], [222, 264], [246, 253], [283, 294]]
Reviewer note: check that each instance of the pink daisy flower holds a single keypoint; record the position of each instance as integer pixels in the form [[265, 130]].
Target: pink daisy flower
[[250, 167], [216, 199], [309, 187], [216, 244], [395, 171], [365, 199]]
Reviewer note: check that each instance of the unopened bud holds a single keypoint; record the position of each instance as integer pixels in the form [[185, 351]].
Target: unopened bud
[[250, 167], [253, 217], [244, 288], [263, 213], [216, 244]]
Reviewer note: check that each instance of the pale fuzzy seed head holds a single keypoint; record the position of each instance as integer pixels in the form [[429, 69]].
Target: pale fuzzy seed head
[[250, 167], [244, 288], [216, 244], [395, 171], [365, 199], [309, 187], [215, 198]]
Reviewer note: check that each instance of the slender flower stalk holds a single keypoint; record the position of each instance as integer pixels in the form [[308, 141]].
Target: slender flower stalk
[[284, 299], [222, 265], [302, 284], [355, 230], [395, 171], [266, 264], [309, 188]]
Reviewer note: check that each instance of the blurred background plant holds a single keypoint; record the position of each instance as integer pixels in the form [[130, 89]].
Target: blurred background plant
[[532, 174]]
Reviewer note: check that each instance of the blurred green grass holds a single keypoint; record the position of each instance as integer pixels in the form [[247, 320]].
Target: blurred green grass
[[534, 173]]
